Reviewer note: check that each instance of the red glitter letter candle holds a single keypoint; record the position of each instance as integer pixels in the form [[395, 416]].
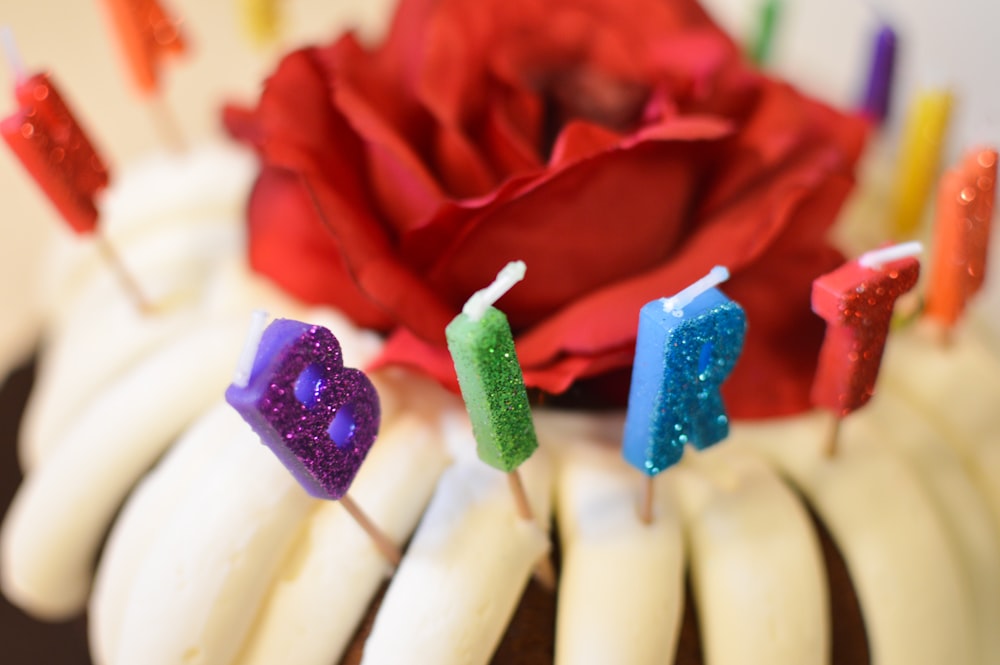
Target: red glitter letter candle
[[856, 300], [146, 34], [55, 150]]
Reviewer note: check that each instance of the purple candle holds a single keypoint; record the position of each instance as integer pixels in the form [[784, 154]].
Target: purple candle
[[875, 102], [319, 417]]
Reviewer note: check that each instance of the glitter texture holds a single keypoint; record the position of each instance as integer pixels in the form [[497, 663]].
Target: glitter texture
[[857, 304], [493, 388], [681, 360], [56, 152], [147, 34], [317, 416]]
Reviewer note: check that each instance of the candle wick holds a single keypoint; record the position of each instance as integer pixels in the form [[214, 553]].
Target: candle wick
[[876, 258], [244, 367], [483, 299], [676, 303], [11, 54]]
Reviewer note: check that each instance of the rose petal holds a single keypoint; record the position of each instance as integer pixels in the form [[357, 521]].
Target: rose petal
[[301, 258]]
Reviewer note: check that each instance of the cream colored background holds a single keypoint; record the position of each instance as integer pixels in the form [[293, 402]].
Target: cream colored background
[[822, 46]]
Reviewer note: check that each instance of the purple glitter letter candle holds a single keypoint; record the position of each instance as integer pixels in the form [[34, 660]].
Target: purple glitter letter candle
[[317, 416]]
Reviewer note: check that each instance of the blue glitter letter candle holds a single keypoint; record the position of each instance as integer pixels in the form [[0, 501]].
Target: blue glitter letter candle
[[685, 348], [317, 416]]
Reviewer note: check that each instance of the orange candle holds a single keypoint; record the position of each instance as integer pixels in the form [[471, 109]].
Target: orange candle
[[147, 34], [980, 168], [947, 290], [961, 235]]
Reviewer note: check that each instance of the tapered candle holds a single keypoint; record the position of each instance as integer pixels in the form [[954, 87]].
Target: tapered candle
[[318, 417], [878, 88], [856, 300], [919, 157], [686, 347]]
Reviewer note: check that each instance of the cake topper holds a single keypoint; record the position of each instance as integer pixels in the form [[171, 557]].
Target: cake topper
[[919, 156], [50, 143], [147, 34], [482, 347], [318, 417], [856, 300], [686, 347], [875, 102], [962, 222]]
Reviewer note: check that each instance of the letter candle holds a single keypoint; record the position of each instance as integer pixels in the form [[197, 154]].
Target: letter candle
[[763, 40], [856, 300], [492, 384], [961, 237], [920, 153], [54, 149], [686, 346], [877, 94], [262, 20], [318, 417], [147, 35], [482, 347]]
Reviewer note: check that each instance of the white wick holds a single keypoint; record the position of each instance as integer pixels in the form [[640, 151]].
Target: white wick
[[876, 258], [481, 300], [11, 53], [675, 304], [258, 321]]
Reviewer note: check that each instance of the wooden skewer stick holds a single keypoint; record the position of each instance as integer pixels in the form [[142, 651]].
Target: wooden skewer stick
[[382, 542], [166, 123], [833, 438], [544, 571], [125, 277], [646, 501]]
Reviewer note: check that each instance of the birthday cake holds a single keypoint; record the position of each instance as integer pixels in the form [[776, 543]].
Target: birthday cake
[[208, 551]]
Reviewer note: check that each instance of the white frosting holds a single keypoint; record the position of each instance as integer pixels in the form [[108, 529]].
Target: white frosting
[[330, 577], [621, 586], [756, 568], [464, 570]]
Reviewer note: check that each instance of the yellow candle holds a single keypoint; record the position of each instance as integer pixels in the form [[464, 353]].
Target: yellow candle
[[923, 139], [262, 19]]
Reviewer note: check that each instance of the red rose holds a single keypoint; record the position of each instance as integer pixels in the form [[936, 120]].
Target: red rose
[[620, 148]]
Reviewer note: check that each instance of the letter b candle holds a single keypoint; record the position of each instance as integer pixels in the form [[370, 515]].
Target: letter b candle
[[319, 417]]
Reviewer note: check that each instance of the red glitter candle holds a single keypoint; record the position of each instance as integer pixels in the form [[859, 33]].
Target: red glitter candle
[[147, 34], [856, 301], [55, 150]]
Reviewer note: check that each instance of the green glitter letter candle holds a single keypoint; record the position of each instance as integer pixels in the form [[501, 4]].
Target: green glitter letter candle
[[482, 348]]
